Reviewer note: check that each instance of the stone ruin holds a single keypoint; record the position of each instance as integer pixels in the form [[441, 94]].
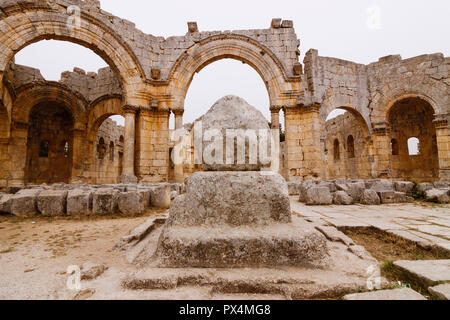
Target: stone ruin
[[236, 215]]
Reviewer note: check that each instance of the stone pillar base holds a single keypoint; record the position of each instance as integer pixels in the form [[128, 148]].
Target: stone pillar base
[[128, 179]]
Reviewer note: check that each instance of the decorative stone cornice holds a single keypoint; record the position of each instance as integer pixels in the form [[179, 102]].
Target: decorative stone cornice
[[440, 122], [20, 125], [130, 109]]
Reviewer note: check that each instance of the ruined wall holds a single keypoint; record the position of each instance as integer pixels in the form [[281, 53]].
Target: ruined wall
[[353, 161], [108, 156]]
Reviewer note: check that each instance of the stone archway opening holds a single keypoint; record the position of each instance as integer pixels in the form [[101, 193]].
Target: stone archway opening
[[108, 150], [346, 145], [413, 139], [49, 144]]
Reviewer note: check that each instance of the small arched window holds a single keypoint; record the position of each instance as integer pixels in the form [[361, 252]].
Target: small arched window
[[121, 139], [351, 146], [44, 149], [337, 152], [111, 151], [66, 149], [394, 147], [414, 146]]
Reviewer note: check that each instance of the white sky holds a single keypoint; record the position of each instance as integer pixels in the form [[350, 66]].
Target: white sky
[[343, 29]]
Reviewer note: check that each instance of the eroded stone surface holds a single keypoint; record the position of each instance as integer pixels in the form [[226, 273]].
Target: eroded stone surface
[[427, 272], [395, 294]]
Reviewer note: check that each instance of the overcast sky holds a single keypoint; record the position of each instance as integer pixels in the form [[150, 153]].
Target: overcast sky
[[356, 30]]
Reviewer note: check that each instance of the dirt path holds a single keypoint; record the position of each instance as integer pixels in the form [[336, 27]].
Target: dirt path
[[35, 253]]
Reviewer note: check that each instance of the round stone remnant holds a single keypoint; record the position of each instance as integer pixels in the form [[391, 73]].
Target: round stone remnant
[[229, 127]]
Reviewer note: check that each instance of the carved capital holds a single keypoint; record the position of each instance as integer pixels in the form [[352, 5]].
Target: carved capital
[[130, 109], [178, 112], [440, 122], [275, 109], [20, 125]]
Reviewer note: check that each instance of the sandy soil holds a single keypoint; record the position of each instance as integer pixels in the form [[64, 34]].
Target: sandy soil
[[35, 253]]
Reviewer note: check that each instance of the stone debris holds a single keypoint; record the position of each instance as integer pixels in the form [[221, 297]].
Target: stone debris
[[428, 273], [91, 271]]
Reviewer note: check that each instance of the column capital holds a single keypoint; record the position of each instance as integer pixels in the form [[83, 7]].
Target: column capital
[[440, 122], [20, 125], [275, 109], [129, 109], [178, 112], [380, 128]]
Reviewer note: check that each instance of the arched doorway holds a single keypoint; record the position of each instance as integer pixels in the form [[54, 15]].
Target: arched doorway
[[49, 144], [414, 146], [346, 145]]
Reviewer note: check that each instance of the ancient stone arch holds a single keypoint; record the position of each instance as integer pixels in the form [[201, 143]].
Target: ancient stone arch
[[25, 22], [32, 94], [232, 46], [100, 110]]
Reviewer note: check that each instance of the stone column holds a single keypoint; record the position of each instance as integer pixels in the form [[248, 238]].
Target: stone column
[[128, 175], [78, 153], [17, 150], [275, 117], [4, 162], [179, 168], [381, 151], [443, 143]]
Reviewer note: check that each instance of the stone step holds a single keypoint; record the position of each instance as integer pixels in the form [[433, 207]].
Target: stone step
[[426, 273], [395, 294], [441, 292]]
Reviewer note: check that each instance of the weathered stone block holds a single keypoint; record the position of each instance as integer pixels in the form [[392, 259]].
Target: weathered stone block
[[404, 186], [52, 202], [5, 203], [24, 202], [355, 190], [388, 197], [319, 196], [370, 197], [294, 188], [232, 198], [342, 198], [131, 202], [79, 202], [438, 195], [382, 185], [160, 197], [105, 201]]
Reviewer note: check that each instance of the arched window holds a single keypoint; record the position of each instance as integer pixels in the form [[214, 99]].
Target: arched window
[[351, 146], [66, 149], [121, 139], [337, 153], [394, 147], [111, 151], [44, 149], [414, 146], [101, 149]]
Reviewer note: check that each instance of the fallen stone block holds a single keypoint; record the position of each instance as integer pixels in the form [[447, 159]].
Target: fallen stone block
[[160, 197], [382, 186], [356, 190], [293, 188], [303, 188], [423, 187], [390, 197], [146, 195], [441, 292], [428, 273], [404, 186], [370, 197], [131, 203], [333, 234], [52, 202], [91, 271], [441, 185], [342, 198], [24, 202], [395, 294], [79, 202], [5, 203], [105, 201], [438, 195], [319, 196]]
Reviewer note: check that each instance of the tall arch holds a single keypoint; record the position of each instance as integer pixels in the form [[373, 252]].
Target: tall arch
[[238, 47], [30, 22]]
